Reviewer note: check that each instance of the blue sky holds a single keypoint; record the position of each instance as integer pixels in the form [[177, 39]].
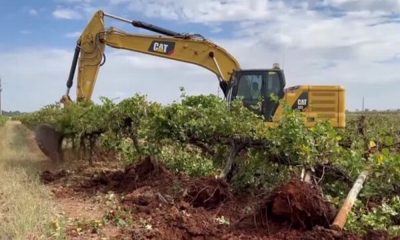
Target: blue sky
[[348, 42], [25, 23]]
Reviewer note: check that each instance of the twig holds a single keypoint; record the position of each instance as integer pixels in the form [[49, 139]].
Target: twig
[[322, 176], [198, 193]]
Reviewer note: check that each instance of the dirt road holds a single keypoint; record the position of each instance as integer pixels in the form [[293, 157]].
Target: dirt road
[[16, 140], [25, 204], [30, 209]]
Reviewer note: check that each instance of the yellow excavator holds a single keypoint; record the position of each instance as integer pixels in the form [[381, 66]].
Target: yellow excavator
[[315, 101]]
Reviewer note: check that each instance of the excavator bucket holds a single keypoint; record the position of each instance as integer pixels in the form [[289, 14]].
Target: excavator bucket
[[49, 141]]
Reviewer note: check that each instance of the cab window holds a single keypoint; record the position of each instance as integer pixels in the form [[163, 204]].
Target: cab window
[[256, 87], [250, 87]]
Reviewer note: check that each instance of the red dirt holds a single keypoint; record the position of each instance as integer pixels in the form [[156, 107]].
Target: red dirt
[[296, 204], [48, 176], [147, 172], [377, 235], [153, 203]]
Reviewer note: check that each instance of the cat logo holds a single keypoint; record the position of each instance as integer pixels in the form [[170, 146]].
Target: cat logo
[[162, 47], [301, 102]]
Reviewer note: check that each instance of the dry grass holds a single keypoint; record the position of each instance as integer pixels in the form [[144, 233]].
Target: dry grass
[[26, 210]]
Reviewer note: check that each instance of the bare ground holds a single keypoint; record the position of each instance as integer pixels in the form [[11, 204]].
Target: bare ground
[[146, 201]]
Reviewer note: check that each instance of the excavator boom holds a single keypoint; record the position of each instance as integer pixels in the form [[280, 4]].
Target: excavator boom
[[192, 49]]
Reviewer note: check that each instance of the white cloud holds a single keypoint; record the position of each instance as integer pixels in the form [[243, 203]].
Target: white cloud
[[116, 2], [66, 13], [216, 29], [78, 9], [370, 5], [32, 12], [312, 30], [73, 34], [158, 78], [361, 77], [241, 10], [204, 11], [39, 83]]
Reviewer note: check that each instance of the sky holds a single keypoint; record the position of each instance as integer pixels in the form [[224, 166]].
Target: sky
[[352, 43]]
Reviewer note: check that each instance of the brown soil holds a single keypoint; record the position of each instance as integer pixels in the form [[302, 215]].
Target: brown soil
[[48, 176], [296, 204], [149, 202], [147, 173], [377, 235]]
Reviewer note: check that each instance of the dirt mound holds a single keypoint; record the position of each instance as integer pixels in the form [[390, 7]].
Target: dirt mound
[[318, 233], [377, 235], [146, 199], [189, 224], [161, 220], [146, 172], [143, 196], [147, 169], [48, 176], [296, 204], [165, 217], [207, 192]]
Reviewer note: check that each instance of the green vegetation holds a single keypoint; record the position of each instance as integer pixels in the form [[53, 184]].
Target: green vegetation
[[200, 134], [3, 120]]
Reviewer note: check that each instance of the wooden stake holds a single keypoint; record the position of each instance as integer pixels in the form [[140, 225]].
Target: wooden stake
[[341, 217]]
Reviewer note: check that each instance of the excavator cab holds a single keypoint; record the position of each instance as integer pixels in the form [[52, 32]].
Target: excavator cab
[[259, 89]]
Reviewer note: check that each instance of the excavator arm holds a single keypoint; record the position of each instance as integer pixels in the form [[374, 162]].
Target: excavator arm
[[194, 49]]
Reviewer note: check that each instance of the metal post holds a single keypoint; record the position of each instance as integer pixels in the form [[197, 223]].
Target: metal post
[[363, 106]]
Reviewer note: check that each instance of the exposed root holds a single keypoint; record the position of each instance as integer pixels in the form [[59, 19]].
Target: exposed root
[[207, 192]]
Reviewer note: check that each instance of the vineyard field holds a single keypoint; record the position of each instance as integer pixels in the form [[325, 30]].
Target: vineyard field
[[214, 171]]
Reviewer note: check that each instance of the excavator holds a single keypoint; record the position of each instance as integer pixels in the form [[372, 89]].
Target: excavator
[[317, 102]]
